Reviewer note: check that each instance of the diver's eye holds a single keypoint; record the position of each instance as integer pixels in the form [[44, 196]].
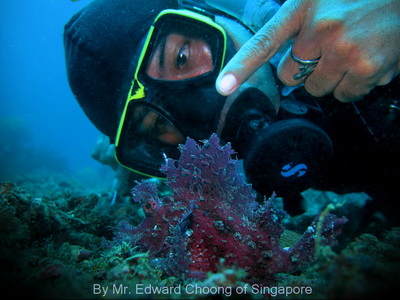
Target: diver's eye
[[160, 124], [182, 56], [178, 57], [181, 60]]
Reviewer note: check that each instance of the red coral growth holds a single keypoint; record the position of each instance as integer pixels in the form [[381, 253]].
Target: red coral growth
[[213, 214]]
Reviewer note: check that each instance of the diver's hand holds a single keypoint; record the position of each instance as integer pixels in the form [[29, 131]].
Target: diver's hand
[[357, 41]]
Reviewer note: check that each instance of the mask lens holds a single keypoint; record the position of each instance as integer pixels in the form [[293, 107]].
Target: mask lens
[[180, 46], [182, 50], [152, 126], [148, 139]]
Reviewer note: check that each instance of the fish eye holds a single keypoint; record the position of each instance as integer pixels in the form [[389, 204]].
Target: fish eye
[[149, 207]]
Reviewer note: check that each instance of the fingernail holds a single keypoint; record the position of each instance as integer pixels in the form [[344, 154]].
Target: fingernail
[[227, 84]]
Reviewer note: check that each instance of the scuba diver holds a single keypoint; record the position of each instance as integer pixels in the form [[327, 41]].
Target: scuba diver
[[144, 73]]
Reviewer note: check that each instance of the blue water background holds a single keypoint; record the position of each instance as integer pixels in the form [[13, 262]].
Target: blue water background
[[34, 90]]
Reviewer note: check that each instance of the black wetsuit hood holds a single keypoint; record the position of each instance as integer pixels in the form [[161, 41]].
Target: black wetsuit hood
[[100, 43]]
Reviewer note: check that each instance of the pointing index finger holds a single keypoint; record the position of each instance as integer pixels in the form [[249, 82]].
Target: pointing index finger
[[262, 46]]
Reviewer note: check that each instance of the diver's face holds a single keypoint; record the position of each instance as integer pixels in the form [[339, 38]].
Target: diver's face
[[179, 57]]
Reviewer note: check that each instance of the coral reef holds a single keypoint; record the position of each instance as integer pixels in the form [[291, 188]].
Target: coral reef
[[49, 238], [213, 214], [57, 240], [368, 268]]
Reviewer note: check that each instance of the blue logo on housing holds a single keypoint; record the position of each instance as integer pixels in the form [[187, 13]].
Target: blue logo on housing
[[297, 170]]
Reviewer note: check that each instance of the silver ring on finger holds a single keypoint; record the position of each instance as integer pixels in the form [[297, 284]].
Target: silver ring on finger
[[306, 66]]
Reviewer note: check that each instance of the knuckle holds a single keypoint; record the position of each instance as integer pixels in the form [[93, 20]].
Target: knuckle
[[328, 24], [354, 93], [342, 96], [386, 78], [262, 45], [343, 49], [366, 68], [356, 61], [286, 77], [315, 84], [285, 72], [314, 89]]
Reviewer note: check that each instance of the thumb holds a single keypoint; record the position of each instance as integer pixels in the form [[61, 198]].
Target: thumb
[[262, 46]]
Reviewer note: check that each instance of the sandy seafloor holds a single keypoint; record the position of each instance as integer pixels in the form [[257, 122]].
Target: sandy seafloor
[[53, 230]]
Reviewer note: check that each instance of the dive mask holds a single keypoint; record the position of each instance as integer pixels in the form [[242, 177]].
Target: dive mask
[[173, 90]]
